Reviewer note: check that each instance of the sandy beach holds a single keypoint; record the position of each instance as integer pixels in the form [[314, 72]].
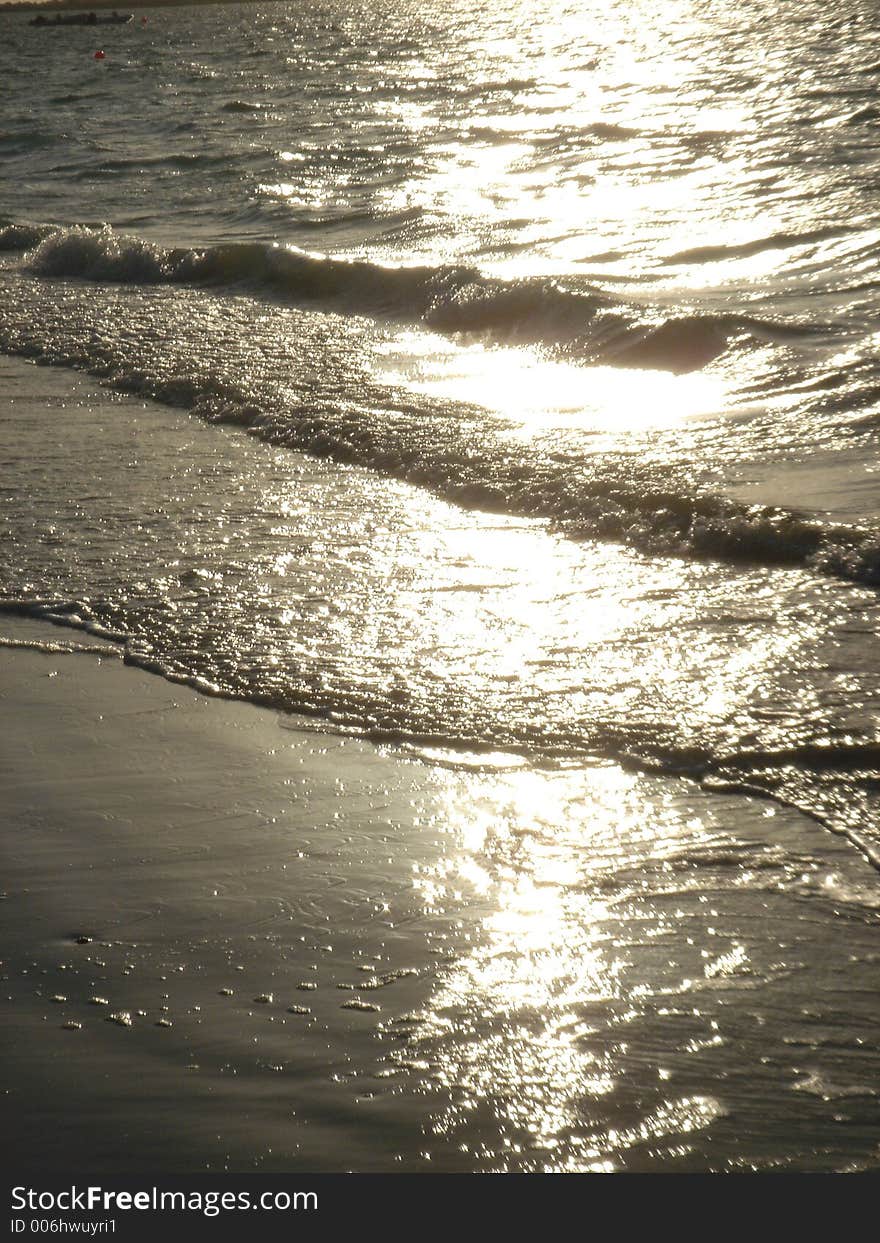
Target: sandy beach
[[230, 890], [218, 953]]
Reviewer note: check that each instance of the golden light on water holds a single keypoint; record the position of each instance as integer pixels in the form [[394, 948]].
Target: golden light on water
[[576, 884], [526, 387], [553, 625], [530, 1028], [589, 145]]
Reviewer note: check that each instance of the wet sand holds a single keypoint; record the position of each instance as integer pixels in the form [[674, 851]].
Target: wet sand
[[199, 871], [218, 954]]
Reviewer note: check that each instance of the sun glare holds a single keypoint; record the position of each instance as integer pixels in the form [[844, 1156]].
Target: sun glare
[[537, 393]]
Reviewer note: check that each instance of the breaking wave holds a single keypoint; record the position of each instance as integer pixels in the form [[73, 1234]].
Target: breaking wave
[[585, 322]]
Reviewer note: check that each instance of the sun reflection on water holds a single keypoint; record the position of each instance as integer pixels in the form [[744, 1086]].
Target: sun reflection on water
[[528, 1033], [527, 388]]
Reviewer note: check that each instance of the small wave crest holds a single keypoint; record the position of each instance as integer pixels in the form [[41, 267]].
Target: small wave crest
[[745, 250], [76, 614], [59, 649], [588, 324], [22, 236], [449, 298]]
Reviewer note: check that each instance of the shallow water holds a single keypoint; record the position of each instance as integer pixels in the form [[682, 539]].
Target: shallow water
[[533, 355]]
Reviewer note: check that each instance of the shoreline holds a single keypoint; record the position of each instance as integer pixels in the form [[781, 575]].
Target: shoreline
[[274, 984], [155, 866], [321, 954]]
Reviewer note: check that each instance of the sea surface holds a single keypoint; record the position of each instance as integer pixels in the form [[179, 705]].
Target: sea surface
[[523, 401]]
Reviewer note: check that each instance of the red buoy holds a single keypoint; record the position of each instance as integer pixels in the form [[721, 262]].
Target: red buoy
[[99, 55]]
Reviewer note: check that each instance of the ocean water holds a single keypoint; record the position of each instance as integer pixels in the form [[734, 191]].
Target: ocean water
[[522, 384]]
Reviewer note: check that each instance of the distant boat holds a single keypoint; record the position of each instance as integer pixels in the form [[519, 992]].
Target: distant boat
[[82, 19]]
